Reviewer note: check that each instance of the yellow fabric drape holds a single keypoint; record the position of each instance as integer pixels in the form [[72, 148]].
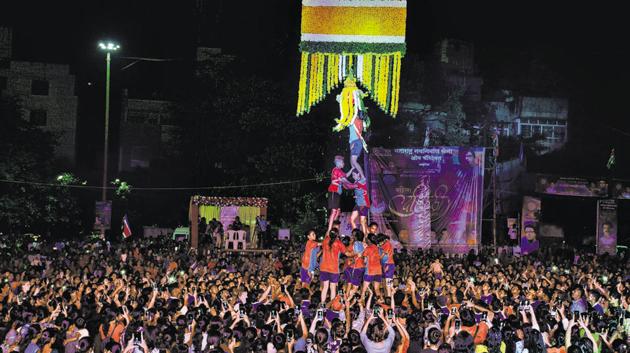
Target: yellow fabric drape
[[248, 216], [209, 212]]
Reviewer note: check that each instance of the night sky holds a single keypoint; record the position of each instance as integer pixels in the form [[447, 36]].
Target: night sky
[[583, 44]]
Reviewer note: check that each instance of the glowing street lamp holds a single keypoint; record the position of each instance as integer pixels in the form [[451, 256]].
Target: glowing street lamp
[[109, 46]]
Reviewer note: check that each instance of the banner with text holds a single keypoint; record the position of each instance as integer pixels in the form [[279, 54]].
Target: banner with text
[[530, 225], [607, 227], [417, 190], [621, 189], [103, 213], [553, 185]]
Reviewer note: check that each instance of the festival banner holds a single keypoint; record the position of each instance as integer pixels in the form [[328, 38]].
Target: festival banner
[[607, 227], [621, 189], [530, 219], [103, 212], [512, 228], [417, 190], [553, 185]]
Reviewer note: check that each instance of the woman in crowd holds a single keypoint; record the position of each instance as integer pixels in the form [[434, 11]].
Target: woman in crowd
[[332, 249]]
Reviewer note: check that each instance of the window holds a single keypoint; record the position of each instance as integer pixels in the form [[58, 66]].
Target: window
[[526, 130], [3, 82], [536, 129], [38, 117], [139, 157], [560, 132], [39, 87]]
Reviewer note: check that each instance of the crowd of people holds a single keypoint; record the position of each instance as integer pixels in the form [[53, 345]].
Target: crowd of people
[[333, 294]]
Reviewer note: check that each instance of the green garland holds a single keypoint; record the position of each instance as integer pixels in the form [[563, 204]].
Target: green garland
[[353, 48]]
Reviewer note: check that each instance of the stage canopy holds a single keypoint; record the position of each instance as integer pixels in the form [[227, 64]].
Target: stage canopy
[[225, 210]]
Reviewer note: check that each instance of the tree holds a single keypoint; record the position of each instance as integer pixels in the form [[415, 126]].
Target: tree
[[238, 128], [26, 155], [451, 114]]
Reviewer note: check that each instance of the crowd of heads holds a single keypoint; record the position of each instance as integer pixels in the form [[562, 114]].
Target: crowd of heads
[[159, 296]]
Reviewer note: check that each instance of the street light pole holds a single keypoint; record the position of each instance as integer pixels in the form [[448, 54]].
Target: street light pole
[[108, 47], [106, 144]]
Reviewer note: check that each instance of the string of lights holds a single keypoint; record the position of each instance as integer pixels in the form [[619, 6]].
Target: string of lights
[[221, 187]]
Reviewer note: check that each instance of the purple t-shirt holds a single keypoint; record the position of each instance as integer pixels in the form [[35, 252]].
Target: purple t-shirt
[[487, 299], [528, 247], [304, 307]]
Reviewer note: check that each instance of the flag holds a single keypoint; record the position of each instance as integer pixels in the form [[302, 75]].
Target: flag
[[611, 160], [126, 229], [495, 143]]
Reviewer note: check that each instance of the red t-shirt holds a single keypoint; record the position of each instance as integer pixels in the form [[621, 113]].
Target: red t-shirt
[[330, 255], [373, 260], [335, 180]]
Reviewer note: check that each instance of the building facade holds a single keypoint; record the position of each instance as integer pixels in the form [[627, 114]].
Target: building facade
[[145, 129], [527, 116], [47, 96], [456, 60], [543, 116]]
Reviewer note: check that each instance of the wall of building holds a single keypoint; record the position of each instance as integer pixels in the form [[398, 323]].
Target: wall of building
[[145, 128], [6, 40], [543, 107], [544, 115], [47, 89], [456, 55]]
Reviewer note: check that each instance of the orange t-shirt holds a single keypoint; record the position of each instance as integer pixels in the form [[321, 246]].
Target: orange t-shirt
[[373, 260], [115, 332], [308, 253], [479, 331], [336, 304], [557, 350], [404, 346], [359, 262], [389, 251], [330, 255]]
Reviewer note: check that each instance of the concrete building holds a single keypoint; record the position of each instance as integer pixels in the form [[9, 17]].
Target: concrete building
[[543, 115], [528, 116], [146, 126], [47, 94], [456, 60], [145, 130]]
